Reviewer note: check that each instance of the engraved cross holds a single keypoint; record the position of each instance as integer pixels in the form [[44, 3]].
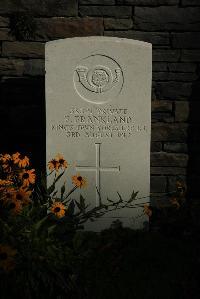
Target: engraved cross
[[98, 169]]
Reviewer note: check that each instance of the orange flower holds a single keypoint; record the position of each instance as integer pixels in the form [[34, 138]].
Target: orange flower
[[58, 209], [27, 177], [6, 161], [4, 183], [15, 206], [57, 162], [53, 165], [147, 210], [5, 158], [23, 195], [62, 162], [79, 181], [8, 194], [20, 159], [7, 255]]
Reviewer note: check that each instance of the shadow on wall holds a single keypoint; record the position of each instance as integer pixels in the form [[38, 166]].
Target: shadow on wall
[[23, 118], [193, 177]]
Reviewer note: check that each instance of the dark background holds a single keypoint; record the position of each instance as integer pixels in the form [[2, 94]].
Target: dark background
[[172, 26]]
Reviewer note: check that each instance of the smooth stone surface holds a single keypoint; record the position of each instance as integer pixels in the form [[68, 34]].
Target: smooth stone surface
[[98, 115]]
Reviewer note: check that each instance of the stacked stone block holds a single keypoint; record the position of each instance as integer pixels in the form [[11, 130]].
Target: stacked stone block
[[172, 26]]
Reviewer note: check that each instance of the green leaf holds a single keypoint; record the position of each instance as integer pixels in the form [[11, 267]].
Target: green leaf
[[71, 208], [120, 198], [51, 188], [78, 205], [59, 176], [109, 200], [54, 194], [82, 204], [133, 196], [62, 190]]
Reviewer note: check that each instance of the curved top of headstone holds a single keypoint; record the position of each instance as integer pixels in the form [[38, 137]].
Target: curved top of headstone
[[101, 38], [98, 115]]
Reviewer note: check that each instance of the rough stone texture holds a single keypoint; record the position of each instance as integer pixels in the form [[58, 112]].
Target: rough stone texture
[[173, 90], [168, 170], [111, 11], [190, 55], [167, 18], [156, 146], [172, 26], [190, 2], [148, 2], [10, 67], [23, 49], [156, 38], [160, 66], [169, 132], [161, 106], [168, 159], [117, 24], [55, 28], [175, 67], [171, 76], [38, 8], [158, 183], [162, 117], [4, 22], [182, 111], [166, 55], [186, 40], [183, 67], [34, 67], [174, 147], [5, 34], [97, 2]]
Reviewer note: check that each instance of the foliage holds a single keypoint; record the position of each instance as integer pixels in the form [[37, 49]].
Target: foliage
[[41, 245], [44, 253]]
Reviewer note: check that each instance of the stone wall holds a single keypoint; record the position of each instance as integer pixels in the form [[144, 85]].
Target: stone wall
[[172, 26]]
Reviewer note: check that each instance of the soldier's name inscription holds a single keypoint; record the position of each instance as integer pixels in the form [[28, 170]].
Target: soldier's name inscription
[[96, 122]]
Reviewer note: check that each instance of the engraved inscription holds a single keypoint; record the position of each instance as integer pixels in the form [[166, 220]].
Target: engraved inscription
[[96, 122], [98, 79]]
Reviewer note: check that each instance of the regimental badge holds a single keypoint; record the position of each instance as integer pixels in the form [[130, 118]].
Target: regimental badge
[[98, 78]]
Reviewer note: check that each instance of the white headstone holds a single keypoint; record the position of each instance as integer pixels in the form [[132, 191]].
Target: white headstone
[[98, 115]]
